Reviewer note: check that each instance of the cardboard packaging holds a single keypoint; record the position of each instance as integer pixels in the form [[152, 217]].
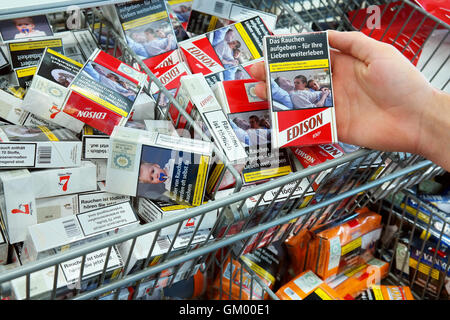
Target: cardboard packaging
[[352, 283], [156, 166], [78, 44], [300, 115], [195, 93], [146, 27], [153, 210], [206, 15], [383, 292], [179, 13], [340, 246], [38, 147], [57, 235], [307, 286], [210, 52], [4, 247], [95, 143], [103, 93], [49, 88]]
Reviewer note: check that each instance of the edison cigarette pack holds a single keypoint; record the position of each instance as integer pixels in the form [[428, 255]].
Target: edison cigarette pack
[[38, 147], [336, 248], [49, 88], [226, 47], [300, 89], [103, 93], [148, 31], [153, 210], [59, 234], [195, 93], [156, 166], [307, 286], [170, 78], [210, 15]]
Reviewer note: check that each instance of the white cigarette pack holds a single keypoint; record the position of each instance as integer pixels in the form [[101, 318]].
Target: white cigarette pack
[[18, 203], [156, 166], [41, 281], [161, 126], [49, 88], [151, 211], [101, 165], [45, 238], [95, 143], [54, 182], [195, 91], [38, 147], [3, 248]]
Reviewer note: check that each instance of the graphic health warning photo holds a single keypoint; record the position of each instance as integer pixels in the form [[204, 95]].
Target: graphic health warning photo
[[300, 90]]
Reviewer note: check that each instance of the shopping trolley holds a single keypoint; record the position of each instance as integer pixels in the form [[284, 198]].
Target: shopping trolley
[[281, 207]]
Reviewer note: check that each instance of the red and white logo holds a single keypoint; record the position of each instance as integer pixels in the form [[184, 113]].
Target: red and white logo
[[64, 181], [54, 111], [23, 208]]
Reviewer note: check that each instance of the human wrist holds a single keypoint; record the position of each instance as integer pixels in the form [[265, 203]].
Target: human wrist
[[435, 130]]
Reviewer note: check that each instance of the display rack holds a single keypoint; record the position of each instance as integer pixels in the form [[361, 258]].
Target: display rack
[[363, 180]]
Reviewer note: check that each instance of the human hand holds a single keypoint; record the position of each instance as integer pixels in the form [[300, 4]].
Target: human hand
[[381, 100]]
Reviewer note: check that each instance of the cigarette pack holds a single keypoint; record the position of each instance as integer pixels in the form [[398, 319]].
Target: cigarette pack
[[300, 89], [46, 238], [385, 292], [49, 88], [211, 15], [5, 66], [38, 147], [95, 143], [337, 247], [226, 47], [154, 210], [307, 286], [78, 44], [103, 93], [4, 247], [237, 283], [195, 94], [161, 126], [425, 264], [313, 155], [170, 78], [239, 72], [25, 56], [157, 166], [18, 204], [41, 282], [149, 250], [25, 28], [144, 107], [146, 26], [249, 117], [101, 165], [352, 283], [179, 13]]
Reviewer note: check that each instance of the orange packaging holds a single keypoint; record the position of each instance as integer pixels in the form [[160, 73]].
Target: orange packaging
[[297, 248], [383, 292], [350, 284], [335, 249], [307, 286]]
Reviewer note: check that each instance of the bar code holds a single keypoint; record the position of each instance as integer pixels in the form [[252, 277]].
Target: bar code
[[71, 228], [163, 243], [44, 155], [218, 7]]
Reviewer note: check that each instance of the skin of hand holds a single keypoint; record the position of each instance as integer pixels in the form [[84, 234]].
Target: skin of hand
[[381, 100]]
